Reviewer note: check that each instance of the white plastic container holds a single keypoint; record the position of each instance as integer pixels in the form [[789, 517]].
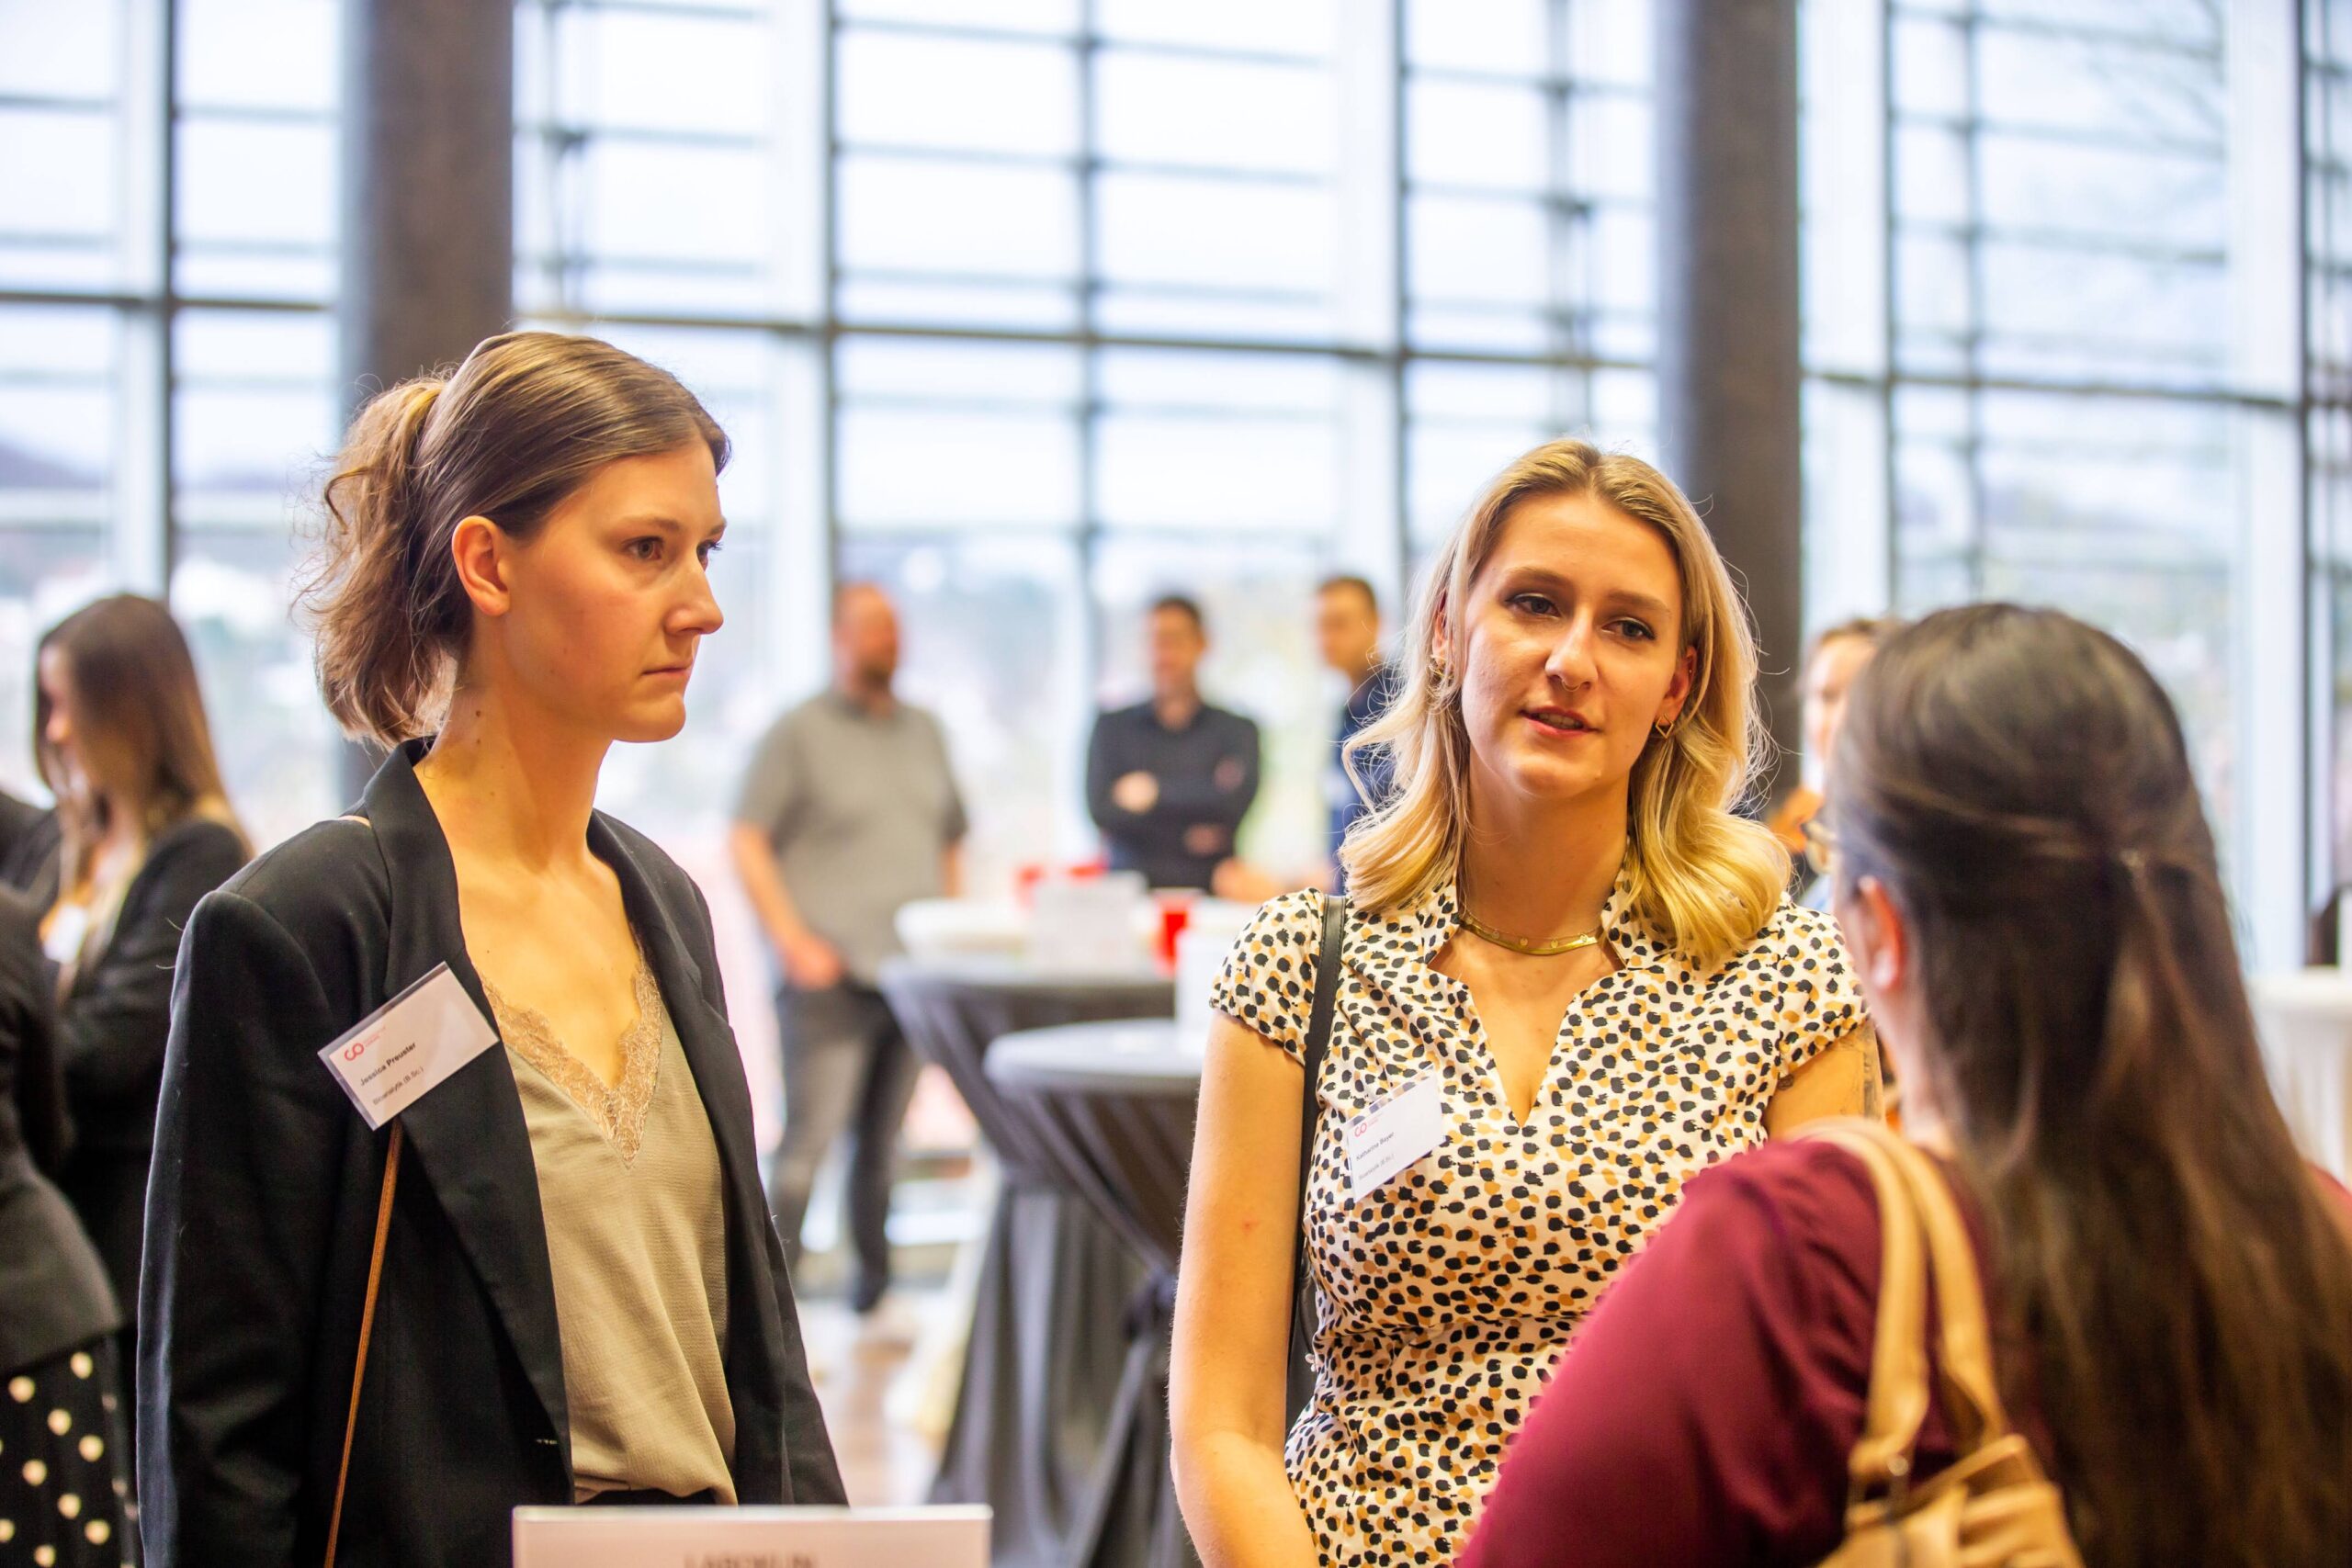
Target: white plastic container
[[1089, 925], [1215, 924]]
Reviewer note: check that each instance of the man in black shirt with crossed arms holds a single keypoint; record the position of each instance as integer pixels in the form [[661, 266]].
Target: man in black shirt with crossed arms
[[1168, 781]]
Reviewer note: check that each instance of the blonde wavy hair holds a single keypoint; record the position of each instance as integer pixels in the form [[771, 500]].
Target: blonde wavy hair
[[1702, 878]]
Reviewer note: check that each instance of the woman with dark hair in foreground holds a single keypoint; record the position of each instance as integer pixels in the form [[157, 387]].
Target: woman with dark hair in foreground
[[2028, 888]]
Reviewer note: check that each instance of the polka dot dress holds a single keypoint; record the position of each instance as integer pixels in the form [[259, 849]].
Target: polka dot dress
[[1445, 1295], [61, 1491]]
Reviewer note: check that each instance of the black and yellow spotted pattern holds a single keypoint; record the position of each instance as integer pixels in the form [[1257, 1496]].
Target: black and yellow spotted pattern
[[1444, 1297]]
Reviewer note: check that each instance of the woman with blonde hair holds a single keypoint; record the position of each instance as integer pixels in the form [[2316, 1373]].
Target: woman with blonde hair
[[142, 830], [1567, 978]]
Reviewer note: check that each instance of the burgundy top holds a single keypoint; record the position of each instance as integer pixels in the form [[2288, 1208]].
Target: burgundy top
[[1706, 1412]]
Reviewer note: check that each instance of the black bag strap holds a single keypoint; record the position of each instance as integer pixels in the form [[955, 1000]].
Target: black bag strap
[[1318, 1038]]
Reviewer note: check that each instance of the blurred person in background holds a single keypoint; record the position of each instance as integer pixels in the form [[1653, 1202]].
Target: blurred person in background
[[1347, 635], [1168, 780], [849, 813], [1569, 977], [580, 1297], [27, 838], [2029, 887], [143, 831], [1831, 663], [64, 1465]]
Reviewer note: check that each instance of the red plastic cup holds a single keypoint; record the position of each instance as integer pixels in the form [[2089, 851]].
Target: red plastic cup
[[1175, 914]]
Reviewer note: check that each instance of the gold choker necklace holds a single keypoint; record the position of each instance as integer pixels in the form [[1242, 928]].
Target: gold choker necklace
[[1521, 944]]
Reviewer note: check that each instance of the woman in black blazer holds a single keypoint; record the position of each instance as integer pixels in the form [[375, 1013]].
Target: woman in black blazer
[[142, 830], [58, 1316], [533, 530]]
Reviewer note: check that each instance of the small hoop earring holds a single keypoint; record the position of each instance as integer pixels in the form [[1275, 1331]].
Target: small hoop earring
[[1661, 730]]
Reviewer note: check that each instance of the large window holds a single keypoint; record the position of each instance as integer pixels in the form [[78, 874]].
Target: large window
[[165, 397], [2085, 364], [1034, 309]]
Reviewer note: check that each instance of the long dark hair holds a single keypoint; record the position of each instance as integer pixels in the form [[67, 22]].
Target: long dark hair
[[523, 423], [2178, 1287], [138, 723]]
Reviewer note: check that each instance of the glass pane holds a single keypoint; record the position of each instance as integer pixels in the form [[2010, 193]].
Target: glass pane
[[1931, 174], [1460, 248], [1613, 41], [1475, 133], [2032, 183], [1203, 470], [52, 50], [2064, 312], [255, 421], [1509, 37], [1622, 258], [1006, 15], [933, 467], [1934, 500], [1931, 66], [1611, 144], [239, 232], [870, 367], [60, 193], [658, 200], [627, 69], [1169, 229], [1049, 308], [2109, 86], [1294, 27], [1215, 113], [1133, 378], [955, 219], [58, 387], [231, 593], [2191, 22], [906, 90], [258, 54]]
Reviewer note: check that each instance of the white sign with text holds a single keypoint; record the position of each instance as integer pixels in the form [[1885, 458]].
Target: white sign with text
[[409, 1047], [1391, 1137]]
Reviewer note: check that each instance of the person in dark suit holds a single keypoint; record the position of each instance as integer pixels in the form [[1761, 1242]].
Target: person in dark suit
[[1168, 780], [61, 1422], [583, 1298], [142, 830]]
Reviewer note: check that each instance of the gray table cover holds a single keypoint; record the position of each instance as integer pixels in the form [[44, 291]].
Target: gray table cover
[[1110, 1107], [1057, 1284]]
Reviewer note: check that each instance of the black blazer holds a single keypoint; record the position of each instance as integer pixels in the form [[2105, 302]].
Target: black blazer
[[112, 1025], [28, 837], [263, 1207], [53, 1290]]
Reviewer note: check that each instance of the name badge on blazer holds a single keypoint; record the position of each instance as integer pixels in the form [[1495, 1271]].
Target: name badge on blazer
[[409, 1047], [1390, 1136]]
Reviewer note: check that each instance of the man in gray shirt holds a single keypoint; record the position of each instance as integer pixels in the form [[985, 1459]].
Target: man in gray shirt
[[848, 812]]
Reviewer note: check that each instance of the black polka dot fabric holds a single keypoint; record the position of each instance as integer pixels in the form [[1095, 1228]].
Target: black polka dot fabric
[[1445, 1295], [63, 1495]]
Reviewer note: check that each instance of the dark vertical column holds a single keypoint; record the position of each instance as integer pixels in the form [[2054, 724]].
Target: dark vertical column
[[428, 194], [1729, 385]]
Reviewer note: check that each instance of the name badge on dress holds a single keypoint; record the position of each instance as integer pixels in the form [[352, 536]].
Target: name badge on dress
[[1390, 1136], [410, 1046]]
